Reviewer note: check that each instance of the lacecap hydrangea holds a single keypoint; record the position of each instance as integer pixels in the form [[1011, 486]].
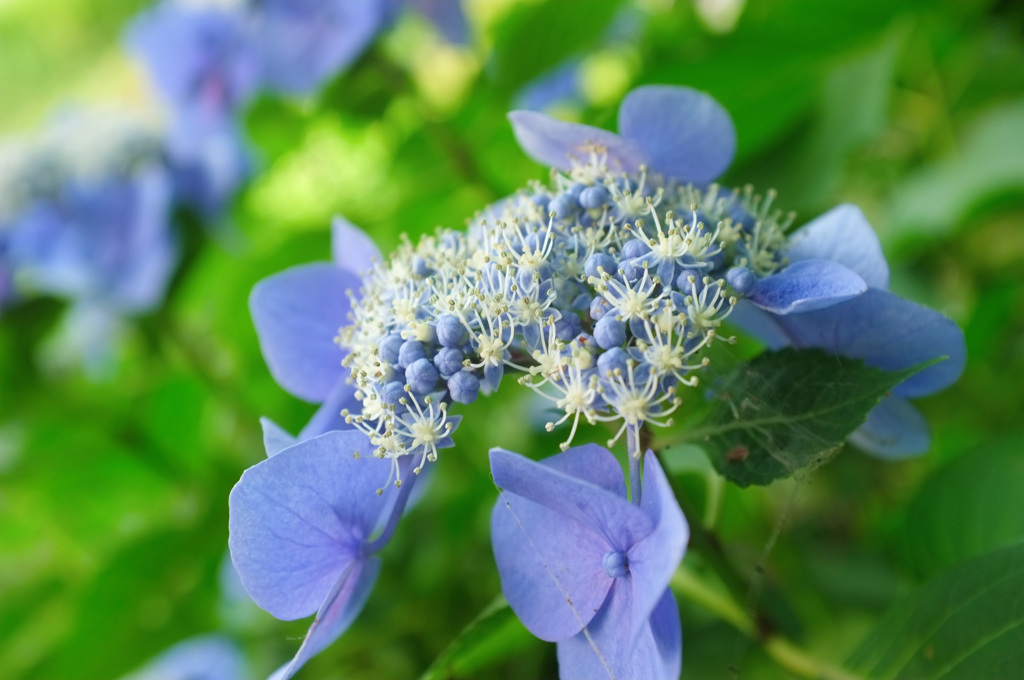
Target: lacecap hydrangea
[[601, 290]]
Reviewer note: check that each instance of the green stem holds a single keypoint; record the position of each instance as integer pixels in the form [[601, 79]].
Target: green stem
[[782, 651]]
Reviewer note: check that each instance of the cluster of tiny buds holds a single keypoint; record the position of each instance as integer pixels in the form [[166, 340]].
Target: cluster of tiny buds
[[601, 290]]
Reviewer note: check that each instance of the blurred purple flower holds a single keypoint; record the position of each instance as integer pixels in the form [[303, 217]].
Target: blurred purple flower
[[202, 60], [876, 326], [206, 657], [582, 566], [677, 131], [301, 526], [303, 43], [297, 314]]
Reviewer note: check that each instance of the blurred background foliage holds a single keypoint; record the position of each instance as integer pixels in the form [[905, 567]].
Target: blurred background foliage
[[113, 493]]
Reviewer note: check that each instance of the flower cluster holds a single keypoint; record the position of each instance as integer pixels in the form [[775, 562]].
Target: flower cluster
[[601, 290]]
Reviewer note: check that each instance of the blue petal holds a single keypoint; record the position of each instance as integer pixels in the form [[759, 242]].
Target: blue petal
[[304, 44], [207, 657], [653, 653], [894, 430], [328, 417], [546, 561], [760, 324], [275, 438], [886, 332], [654, 559], [685, 133], [609, 515], [297, 314], [298, 520], [447, 17], [805, 286], [842, 235], [340, 608], [351, 247], [557, 143]]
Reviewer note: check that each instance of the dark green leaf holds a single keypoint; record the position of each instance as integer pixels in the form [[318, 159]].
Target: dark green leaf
[[787, 410], [966, 624], [537, 36], [968, 508]]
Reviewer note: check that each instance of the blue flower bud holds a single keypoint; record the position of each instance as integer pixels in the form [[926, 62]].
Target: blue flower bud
[[609, 332], [568, 327], [612, 360], [634, 248], [599, 260], [421, 376], [576, 189], [598, 308], [392, 392], [741, 279], [594, 197], [420, 267], [450, 331], [684, 285], [410, 352], [615, 564], [389, 347], [464, 387], [449, 361], [563, 206]]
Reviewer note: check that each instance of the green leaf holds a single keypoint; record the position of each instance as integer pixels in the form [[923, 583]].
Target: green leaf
[[534, 37], [787, 410], [969, 507], [493, 635], [966, 624]]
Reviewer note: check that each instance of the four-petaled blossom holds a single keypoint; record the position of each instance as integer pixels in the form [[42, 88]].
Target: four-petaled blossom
[[677, 131], [297, 314], [302, 531], [877, 326], [582, 566]]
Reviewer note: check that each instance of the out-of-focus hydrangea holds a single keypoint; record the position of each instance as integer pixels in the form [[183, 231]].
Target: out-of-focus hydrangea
[[84, 216], [209, 60], [206, 657]]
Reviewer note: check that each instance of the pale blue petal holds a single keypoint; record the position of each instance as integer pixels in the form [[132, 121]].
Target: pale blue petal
[[546, 561], [894, 430], [298, 519], [328, 417], [760, 324], [685, 133], [609, 515], [843, 235], [297, 314], [805, 286], [351, 247], [654, 559], [207, 657], [614, 651], [340, 608], [275, 438], [886, 332], [556, 143]]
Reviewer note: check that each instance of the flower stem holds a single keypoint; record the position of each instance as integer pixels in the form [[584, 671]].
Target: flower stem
[[788, 655], [636, 461]]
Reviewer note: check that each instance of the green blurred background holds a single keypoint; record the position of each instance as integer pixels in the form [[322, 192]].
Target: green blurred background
[[113, 493]]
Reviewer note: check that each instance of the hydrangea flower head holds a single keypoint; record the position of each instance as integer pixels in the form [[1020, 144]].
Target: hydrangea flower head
[[602, 288], [582, 566]]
